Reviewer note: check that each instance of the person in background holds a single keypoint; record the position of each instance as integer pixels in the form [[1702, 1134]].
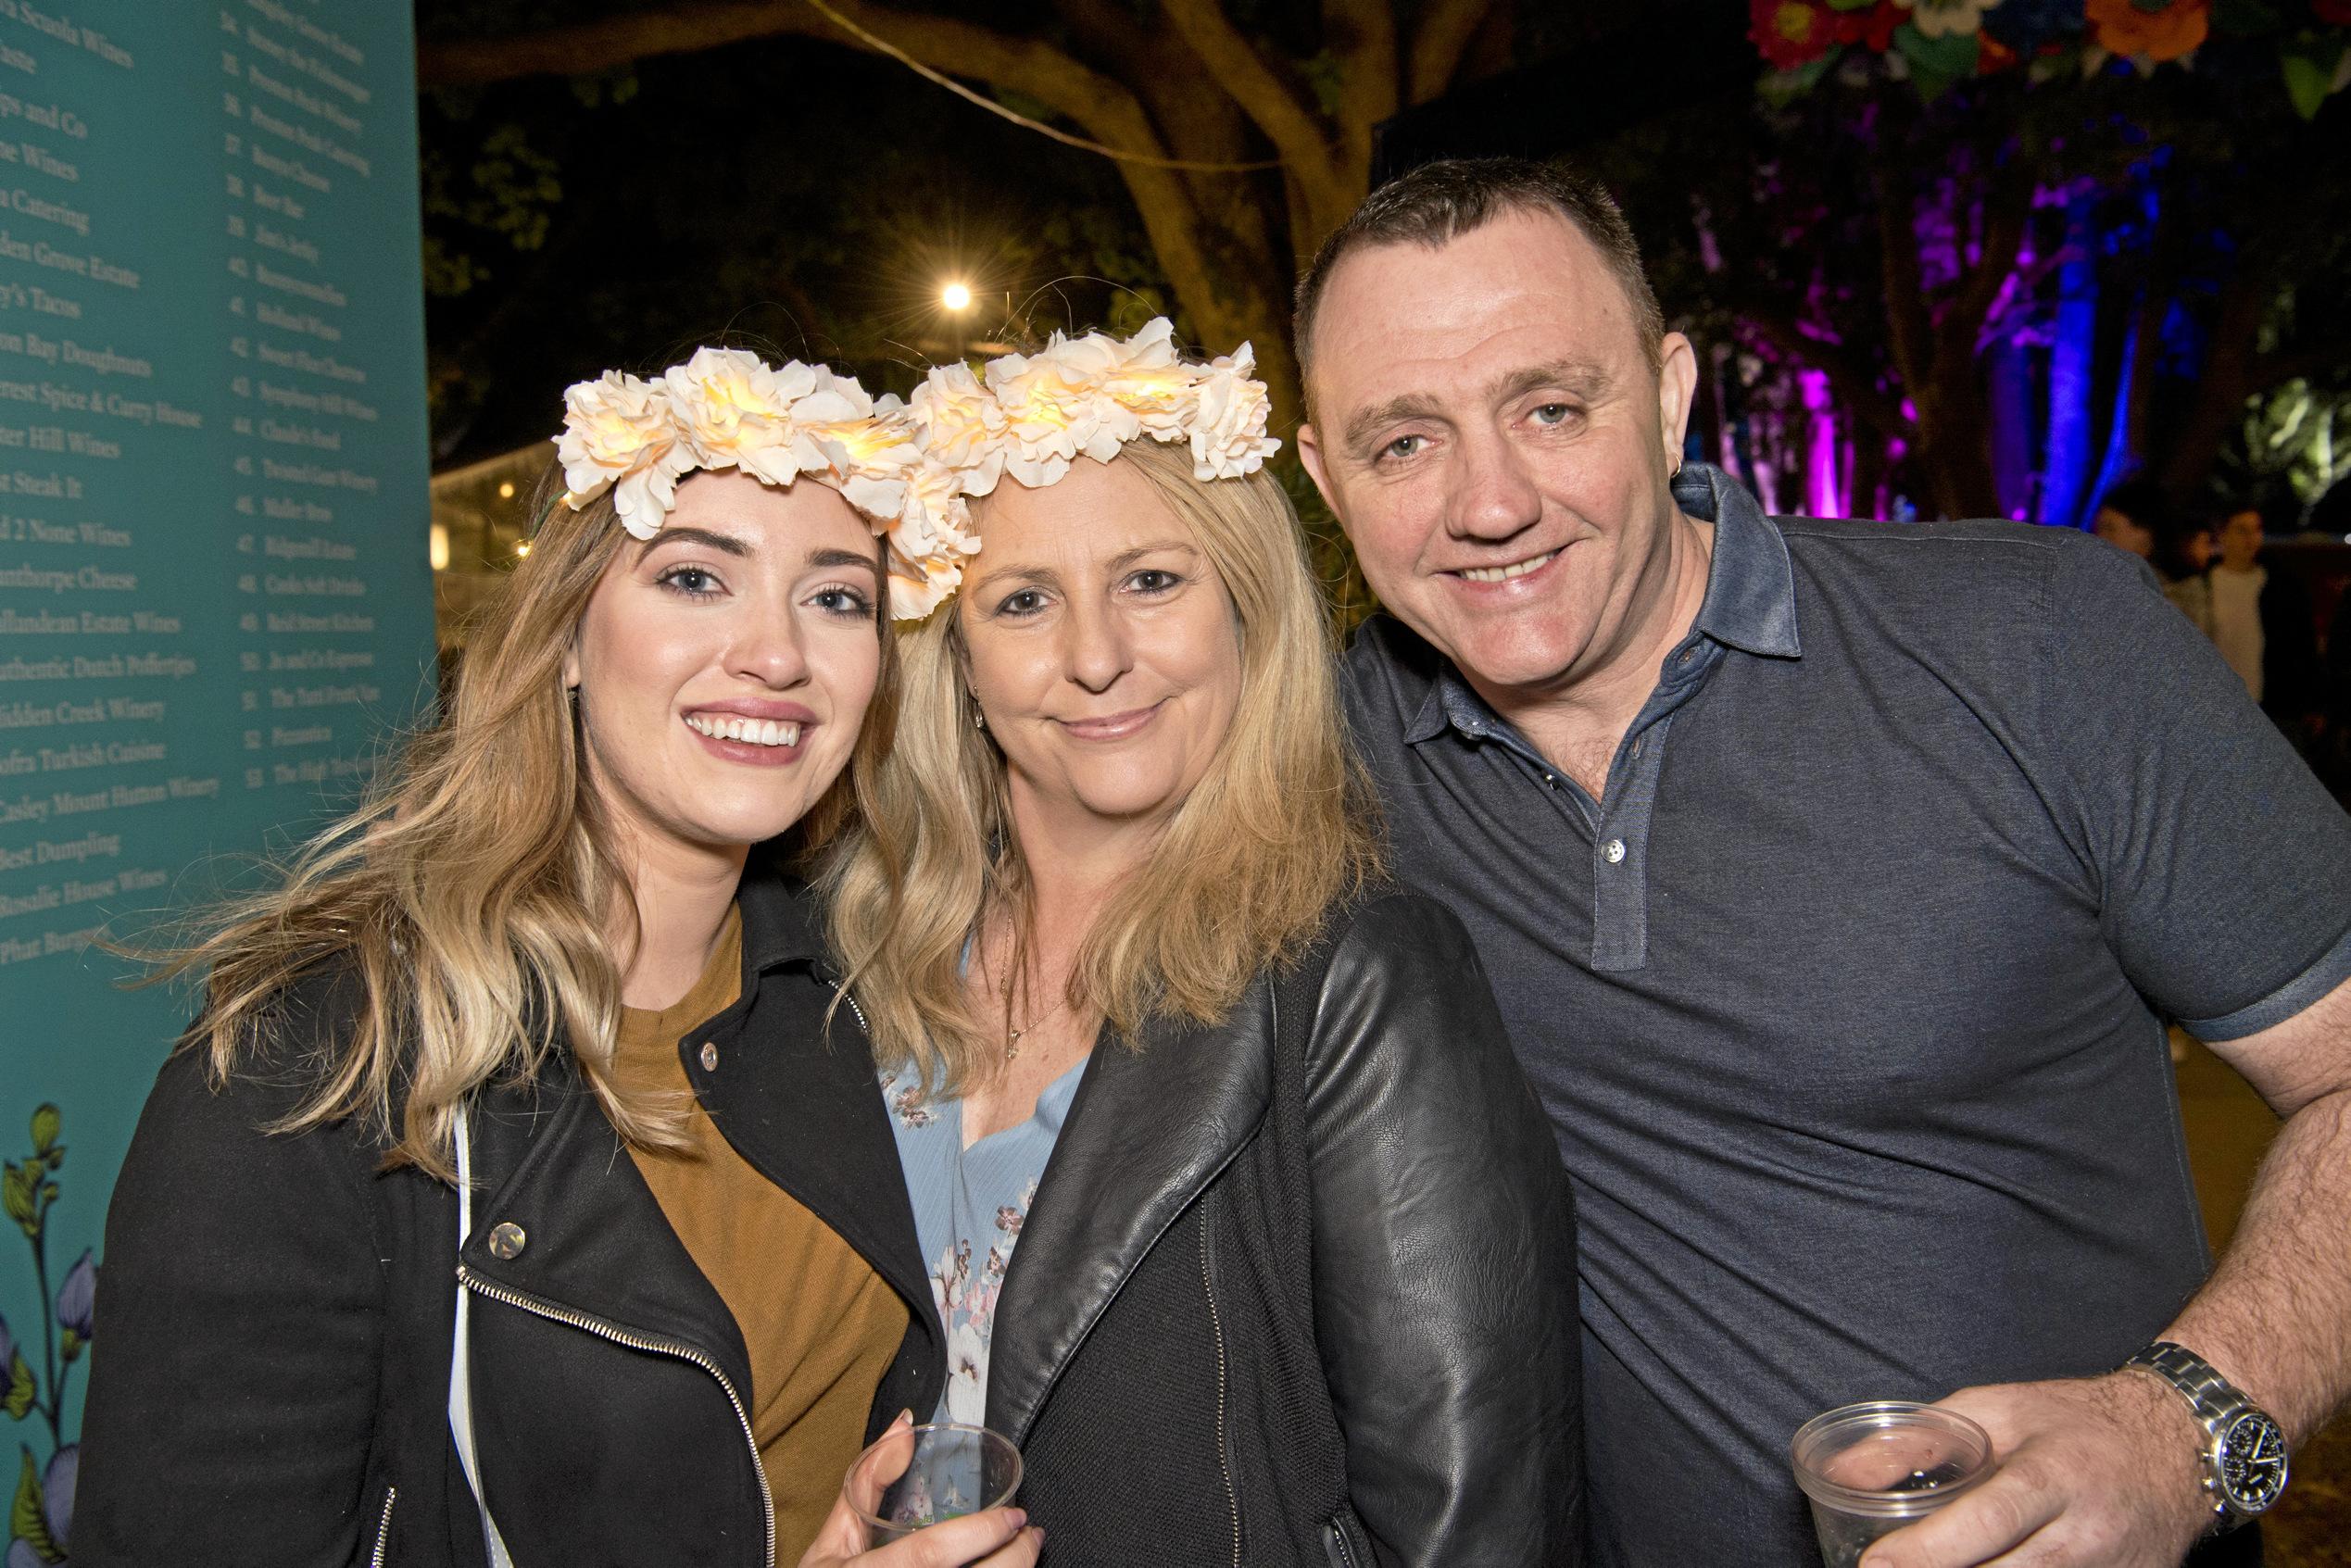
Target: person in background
[[2264, 626], [1836, 878], [1241, 1220], [2132, 517], [496, 1203], [2135, 517]]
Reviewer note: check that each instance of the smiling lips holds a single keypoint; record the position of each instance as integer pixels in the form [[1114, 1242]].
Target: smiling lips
[[1110, 726], [751, 732], [1504, 573]]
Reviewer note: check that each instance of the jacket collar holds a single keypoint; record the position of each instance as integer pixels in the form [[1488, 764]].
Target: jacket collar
[[783, 919], [794, 1094], [1151, 1125]]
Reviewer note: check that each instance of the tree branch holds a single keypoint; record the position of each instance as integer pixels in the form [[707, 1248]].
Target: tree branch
[[1361, 35], [1909, 330], [1854, 382], [1446, 28], [1287, 120]]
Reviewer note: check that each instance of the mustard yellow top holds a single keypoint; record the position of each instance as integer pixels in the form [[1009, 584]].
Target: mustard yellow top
[[821, 1327]]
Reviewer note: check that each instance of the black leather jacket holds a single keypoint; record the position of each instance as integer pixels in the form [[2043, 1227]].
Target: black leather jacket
[[273, 1390], [1297, 1289], [1301, 1288]]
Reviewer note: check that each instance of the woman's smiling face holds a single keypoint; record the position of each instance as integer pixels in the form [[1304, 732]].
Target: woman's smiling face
[[722, 667], [1101, 644]]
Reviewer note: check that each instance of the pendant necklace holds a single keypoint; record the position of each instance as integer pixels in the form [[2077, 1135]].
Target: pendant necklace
[[1013, 1036]]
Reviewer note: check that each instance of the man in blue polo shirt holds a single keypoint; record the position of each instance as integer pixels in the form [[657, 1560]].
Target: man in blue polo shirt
[[1836, 879]]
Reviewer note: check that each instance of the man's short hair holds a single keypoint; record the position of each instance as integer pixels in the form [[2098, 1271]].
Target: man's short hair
[[1442, 201]]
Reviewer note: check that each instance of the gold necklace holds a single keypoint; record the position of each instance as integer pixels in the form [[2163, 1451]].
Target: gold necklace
[[1013, 1036]]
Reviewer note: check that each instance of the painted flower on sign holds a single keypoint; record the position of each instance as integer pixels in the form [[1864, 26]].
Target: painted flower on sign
[[41, 1520], [76, 1298], [1870, 27], [2167, 33], [1790, 33]]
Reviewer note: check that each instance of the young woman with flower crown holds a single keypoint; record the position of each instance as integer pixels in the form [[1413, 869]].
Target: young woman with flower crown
[[494, 1203], [1240, 1217]]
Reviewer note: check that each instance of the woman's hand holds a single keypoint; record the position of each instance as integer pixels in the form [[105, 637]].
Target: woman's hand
[[998, 1537]]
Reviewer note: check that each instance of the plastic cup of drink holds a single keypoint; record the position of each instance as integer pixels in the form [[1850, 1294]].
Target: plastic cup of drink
[[927, 1475], [1871, 1468]]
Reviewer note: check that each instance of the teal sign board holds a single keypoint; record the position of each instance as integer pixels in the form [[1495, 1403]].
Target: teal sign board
[[215, 602]]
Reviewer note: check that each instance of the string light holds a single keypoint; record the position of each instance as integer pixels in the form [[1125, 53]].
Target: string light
[[956, 297]]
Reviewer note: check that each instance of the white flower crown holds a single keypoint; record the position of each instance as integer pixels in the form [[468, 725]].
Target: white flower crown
[[1031, 416], [909, 468], [728, 408]]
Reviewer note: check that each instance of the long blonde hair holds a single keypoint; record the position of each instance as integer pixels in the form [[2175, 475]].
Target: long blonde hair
[[1280, 828], [469, 894]]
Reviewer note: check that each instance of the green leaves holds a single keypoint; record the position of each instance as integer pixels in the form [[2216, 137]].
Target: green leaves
[[46, 1121], [26, 1518], [2310, 63], [19, 1194], [21, 1392]]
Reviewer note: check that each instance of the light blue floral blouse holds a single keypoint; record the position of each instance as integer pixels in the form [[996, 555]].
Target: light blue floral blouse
[[969, 1206]]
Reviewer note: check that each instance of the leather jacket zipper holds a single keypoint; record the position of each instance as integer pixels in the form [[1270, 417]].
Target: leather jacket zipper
[[383, 1528], [636, 1341], [1341, 1554], [1216, 1324]]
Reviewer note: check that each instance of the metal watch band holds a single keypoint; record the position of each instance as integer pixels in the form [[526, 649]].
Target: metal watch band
[[2212, 1398]]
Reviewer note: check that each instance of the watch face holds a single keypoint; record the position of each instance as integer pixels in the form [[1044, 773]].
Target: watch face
[[2252, 1461]]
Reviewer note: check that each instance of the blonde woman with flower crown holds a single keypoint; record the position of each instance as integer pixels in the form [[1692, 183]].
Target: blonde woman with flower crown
[[1239, 1219], [503, 1204]]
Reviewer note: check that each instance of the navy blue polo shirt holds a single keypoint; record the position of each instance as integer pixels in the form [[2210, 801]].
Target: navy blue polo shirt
[[1847, 1000]]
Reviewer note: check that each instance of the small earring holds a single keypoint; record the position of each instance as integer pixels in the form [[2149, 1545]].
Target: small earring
[[979, 720]]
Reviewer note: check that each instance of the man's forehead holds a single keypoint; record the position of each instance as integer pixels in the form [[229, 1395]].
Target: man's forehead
[[1525, 289]]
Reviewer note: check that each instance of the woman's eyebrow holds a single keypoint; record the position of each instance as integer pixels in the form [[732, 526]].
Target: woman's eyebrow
[[726, 543], [829, 555], [1125, 558]]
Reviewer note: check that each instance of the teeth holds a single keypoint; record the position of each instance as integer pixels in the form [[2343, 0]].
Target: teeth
[[752, 732], [1504, 573]]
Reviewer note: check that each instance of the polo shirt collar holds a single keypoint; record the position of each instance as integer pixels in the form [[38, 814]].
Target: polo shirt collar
[[1751, 586], [1750, 603]]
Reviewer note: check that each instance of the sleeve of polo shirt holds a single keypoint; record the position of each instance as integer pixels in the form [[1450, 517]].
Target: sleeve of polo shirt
[[2224, 867]]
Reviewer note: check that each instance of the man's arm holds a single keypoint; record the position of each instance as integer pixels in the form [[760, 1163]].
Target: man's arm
[[2104, 1470]]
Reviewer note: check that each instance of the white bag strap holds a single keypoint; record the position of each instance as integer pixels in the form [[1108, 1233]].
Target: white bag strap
[[460, 1357]]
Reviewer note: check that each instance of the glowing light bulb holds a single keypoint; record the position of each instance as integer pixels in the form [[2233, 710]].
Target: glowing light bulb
[[439, 548], [522, 548], [506, 490], [955, 296]]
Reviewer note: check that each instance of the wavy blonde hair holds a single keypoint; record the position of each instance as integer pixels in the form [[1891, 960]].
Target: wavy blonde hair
[[1282, 827], [470, 893]]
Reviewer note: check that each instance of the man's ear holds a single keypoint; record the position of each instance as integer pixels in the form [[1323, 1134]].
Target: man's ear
[[1310, 452], [1677, 385]]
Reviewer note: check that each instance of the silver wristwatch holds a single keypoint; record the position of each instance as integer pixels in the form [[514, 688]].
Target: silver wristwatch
[[2245, 1453]]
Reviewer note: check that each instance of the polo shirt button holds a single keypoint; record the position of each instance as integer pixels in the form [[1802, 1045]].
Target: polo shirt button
[[1687, 654], [710, 1056], [1613, 851]]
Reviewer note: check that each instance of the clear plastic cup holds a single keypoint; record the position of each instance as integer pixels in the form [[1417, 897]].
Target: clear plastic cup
[[1871, 1468], [927, 1475]]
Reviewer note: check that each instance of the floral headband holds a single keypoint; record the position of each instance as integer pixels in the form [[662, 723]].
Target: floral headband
[[727, 408], [1032, 416], [909, 468]]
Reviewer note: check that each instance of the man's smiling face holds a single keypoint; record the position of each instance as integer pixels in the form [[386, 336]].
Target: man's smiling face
[[1490, 431]]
